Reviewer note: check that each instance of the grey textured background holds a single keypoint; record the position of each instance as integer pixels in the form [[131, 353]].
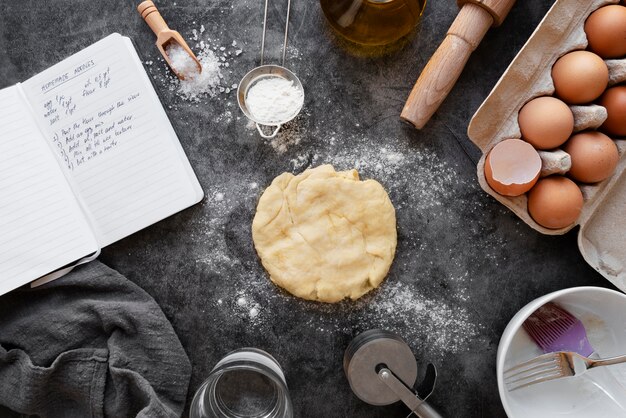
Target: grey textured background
[[448, 228]]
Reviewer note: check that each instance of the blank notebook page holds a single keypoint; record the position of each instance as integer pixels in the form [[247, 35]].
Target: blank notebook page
[[42, 228], [113, 139]]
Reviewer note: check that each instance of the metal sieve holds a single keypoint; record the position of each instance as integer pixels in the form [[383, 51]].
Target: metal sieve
[[265, 71]]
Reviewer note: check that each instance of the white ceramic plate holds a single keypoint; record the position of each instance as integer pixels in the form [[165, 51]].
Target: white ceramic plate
[[603, 312]]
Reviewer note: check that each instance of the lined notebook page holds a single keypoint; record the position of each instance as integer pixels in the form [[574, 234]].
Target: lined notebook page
[[42, 228], [110, 134]]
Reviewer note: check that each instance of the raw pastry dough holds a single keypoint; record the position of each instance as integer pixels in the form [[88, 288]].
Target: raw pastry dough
[[325, 235]]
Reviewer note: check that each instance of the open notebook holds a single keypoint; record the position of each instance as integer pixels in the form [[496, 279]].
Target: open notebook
[[87, 157]]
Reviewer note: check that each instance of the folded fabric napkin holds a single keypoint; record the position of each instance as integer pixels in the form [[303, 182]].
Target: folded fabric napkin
[[91, 344]]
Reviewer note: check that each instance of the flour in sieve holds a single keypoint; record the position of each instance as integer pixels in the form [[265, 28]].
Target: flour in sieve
[[274, 100]]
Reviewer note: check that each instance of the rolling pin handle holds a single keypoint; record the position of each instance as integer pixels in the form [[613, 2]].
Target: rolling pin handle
[[446, 65], [498, 9]]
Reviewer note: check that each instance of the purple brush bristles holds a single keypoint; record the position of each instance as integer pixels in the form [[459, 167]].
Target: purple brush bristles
[[555, 329]]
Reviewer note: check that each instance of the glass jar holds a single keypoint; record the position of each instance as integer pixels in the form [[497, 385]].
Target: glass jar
[[373, 22], [247, 383]]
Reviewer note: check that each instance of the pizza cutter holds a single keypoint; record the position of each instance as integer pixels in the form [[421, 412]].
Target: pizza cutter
[[382, 369]]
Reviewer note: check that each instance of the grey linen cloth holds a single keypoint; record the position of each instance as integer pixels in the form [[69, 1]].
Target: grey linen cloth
[[90, 344]]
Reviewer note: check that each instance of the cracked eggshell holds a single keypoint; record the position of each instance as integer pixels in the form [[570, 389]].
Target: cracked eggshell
[[512, 167]]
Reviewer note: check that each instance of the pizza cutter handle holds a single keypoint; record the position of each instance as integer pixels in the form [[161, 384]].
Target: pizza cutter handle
[[417, 406]]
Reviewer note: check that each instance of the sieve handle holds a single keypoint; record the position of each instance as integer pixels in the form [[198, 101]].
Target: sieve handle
[[286, 32], [270, 136]]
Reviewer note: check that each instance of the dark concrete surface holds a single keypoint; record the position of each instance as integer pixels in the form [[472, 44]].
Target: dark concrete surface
[[465, 262]]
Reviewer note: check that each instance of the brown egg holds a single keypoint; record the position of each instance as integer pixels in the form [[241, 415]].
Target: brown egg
[[614, 100], [512, 167], [546, 122], [594, 156], [555, 202], [580, 77], [606, 31]]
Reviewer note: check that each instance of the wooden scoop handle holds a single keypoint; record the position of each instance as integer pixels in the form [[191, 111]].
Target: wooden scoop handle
[[164, 34], [446, 65], [153, 18]]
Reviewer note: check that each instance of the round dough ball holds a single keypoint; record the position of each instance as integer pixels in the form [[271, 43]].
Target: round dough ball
[[546, 122], [325, 235], [580, 77]]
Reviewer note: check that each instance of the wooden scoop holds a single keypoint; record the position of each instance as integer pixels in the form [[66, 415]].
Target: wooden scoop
[[446, 65], [164, 34]]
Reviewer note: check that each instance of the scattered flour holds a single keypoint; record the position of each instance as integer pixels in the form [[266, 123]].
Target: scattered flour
[[206, 82], [215, 59], [290, 134], [409, 302], [437, 324]]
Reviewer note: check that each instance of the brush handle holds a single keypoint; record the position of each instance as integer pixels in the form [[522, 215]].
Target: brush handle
[[153, 18]]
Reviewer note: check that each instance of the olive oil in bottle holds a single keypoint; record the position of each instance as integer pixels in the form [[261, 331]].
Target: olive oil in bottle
[[373, 22]]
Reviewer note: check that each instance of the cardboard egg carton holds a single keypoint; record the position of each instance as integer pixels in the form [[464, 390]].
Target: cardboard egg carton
[[602, 234]]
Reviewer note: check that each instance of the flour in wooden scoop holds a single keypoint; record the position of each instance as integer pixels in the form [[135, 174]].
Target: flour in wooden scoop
[[214, 56], [182, 63]]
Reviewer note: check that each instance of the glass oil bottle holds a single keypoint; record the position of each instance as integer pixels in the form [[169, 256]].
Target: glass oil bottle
[[373, 22]]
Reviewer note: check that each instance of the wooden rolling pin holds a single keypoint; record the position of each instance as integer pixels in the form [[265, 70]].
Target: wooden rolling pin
[[446, 65]]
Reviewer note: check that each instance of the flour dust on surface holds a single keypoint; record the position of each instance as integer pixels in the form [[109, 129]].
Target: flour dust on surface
[[420, 184], [406, 302]]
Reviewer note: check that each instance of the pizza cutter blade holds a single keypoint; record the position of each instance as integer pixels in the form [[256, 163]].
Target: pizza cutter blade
[[382, 369]]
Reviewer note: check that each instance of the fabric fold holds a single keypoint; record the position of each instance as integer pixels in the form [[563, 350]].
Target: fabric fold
[[91, 344]]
